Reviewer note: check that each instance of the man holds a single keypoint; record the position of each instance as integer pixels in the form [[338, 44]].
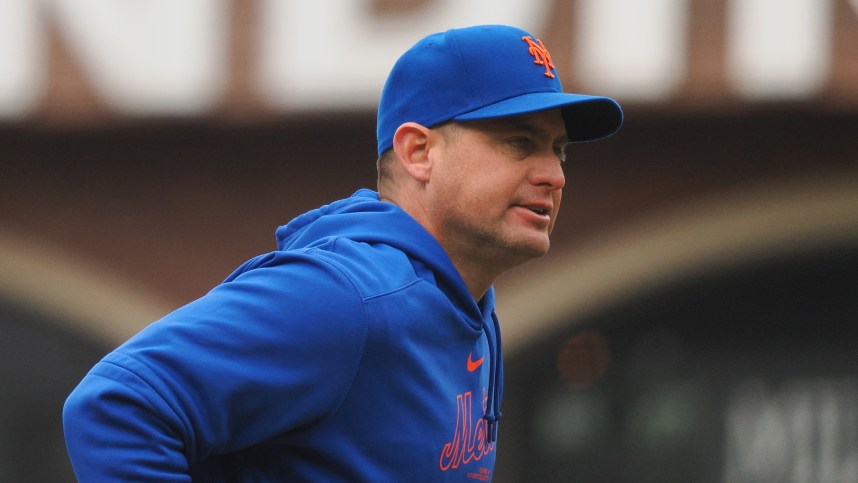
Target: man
[[366, 348]]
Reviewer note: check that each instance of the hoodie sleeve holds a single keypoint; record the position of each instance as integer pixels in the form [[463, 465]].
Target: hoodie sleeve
[[273, 349]]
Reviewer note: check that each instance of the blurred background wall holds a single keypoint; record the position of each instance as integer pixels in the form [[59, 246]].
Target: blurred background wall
[[695, 320]]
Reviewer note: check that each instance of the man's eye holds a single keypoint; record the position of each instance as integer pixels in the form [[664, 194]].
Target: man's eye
[[521, 144], [560, 152]]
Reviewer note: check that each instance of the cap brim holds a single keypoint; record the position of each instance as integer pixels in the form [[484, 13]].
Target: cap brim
[[587, 118]]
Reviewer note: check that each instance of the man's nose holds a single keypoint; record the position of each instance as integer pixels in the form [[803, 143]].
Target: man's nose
[[548, 171]]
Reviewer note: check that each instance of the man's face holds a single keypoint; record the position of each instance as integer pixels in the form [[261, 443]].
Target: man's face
[[496, 187]]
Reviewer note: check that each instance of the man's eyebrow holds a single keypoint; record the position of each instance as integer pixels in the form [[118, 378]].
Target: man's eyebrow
[[504, 126], [531, 129]]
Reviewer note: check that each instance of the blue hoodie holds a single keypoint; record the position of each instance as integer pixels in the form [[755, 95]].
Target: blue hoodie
[[353, 353]]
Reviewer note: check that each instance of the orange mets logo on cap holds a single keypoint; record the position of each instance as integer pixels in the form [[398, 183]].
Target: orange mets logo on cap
[[540, 54]]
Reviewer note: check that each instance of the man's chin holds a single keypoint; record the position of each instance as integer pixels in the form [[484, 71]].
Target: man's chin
[[533, 247]]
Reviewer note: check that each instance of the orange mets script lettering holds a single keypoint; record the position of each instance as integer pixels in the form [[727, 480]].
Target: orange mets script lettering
[[540, 54], [470, 441]]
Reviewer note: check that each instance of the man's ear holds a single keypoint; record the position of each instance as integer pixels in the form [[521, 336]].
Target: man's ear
[[411, 143]]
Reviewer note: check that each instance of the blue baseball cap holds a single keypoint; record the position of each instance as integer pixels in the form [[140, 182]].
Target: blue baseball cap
[[485, 72]]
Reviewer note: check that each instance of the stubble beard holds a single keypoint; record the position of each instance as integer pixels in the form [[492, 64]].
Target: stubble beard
[[497, 246]]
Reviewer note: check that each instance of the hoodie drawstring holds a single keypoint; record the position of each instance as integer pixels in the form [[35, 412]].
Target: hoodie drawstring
[[493, 414]]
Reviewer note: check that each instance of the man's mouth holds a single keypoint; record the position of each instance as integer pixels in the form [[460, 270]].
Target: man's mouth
[[541, 210], [538, 210]]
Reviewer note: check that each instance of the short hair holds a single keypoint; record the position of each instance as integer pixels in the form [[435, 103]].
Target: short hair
[[383, 165]]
